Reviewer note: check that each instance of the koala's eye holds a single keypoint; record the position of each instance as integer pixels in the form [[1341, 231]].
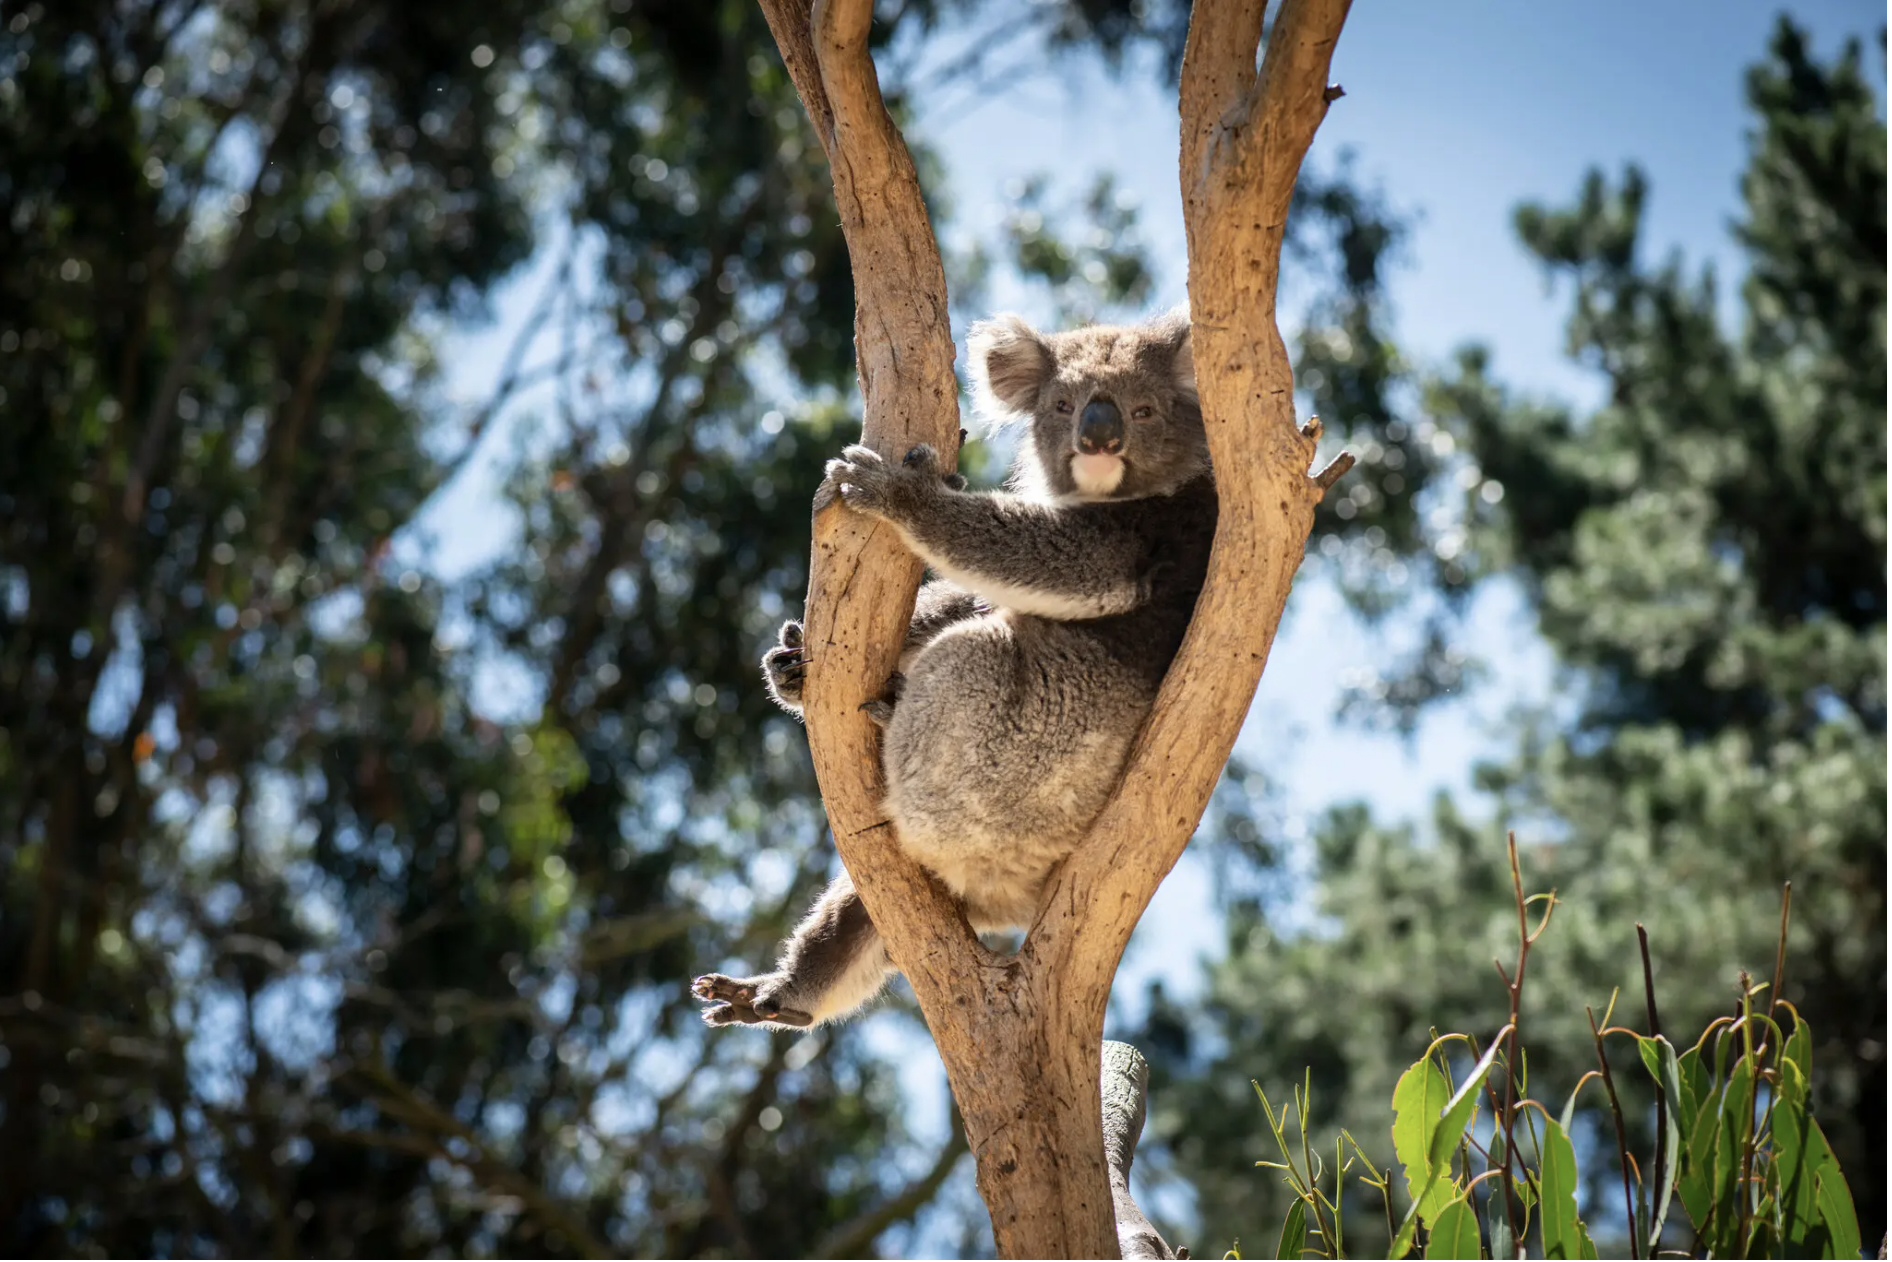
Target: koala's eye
[[1064, 405], [1143, 414]]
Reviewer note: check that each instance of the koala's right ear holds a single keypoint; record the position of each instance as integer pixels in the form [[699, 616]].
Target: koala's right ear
[[1010, 363]]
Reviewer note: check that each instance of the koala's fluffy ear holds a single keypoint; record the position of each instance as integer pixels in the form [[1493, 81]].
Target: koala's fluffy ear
[[1173, 327], [1009, 363]]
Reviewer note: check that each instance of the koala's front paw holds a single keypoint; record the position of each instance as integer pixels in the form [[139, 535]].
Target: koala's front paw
[[866, 483], [785, 665], [746, 1000]]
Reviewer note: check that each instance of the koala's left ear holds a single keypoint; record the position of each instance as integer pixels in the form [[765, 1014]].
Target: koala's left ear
[[1174, 328], [1010, 364]]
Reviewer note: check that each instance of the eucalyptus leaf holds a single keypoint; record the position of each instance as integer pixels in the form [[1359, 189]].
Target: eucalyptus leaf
[[1454, 1232], [1562, 1232], [1418, 1099]]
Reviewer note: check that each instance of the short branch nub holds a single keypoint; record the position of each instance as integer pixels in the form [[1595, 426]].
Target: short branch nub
[[1334, 471]]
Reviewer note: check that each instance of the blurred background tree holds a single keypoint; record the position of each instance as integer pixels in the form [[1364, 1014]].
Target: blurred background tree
[[346, 907], [301, 950], [1706, 555]]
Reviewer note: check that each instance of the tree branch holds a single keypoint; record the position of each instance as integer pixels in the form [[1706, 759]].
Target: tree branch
[[1021, 1038], [1125, 1077], [862, 580], [1218, 71]]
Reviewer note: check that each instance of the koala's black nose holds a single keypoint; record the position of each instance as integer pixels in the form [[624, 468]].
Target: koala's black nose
[[1100, 429]]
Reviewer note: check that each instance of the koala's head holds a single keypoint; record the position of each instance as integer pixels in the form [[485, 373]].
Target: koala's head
[[1112, 409]]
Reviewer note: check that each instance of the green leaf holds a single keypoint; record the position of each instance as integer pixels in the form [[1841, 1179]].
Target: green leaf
[[1658, 1056], [1570, 1108], [1498, 1226], [1562, 1233], [1454, 1231], [1696, 1184], [1418, 1099], [1293, 1232], [1458, 1114], [1734, 1121], [1797, 1160], [1837, 1212], [1800, 1050], [1695, 1087]]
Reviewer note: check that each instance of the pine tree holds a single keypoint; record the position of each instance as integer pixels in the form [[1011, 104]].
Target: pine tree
[[1705, 554]]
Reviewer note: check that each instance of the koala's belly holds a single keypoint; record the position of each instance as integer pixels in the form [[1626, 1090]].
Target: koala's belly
[[1007, 740]]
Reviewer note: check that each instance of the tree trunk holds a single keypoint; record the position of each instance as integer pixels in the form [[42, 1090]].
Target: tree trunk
[[1021, 1036]]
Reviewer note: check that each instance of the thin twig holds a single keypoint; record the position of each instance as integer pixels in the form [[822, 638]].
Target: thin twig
[[1774, 997], [1749, 1137], [1515, 985], [1622, 1134], [1662, 1172]]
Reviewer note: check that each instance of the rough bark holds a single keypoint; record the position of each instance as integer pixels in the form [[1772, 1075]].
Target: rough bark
[[1021, 1037]]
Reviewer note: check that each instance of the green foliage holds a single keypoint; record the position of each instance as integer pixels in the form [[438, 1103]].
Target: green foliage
[[1757, 1176], [1703, 554]]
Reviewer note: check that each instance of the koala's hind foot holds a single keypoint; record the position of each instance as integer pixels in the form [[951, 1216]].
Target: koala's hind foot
[[747, 1000], [785, 666], [880, 709], [832, 964]]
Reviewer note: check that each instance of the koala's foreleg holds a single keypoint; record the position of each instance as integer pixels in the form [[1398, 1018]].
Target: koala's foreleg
[[832, 964], [1062, 561]]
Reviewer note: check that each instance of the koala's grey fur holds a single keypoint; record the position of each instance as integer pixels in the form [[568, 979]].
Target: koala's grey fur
[[1034, 656]]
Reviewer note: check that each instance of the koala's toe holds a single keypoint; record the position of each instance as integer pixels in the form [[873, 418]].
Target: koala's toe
[[727, 989], [921, 457], [791, 636]]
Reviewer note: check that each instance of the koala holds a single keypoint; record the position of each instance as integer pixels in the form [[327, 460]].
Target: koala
[[1036, 651]]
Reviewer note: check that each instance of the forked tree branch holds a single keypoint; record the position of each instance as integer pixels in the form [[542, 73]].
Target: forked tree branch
[[861, 579], [1021, 1038]]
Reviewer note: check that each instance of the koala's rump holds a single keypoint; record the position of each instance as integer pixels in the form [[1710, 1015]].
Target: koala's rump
[[1008, 738]]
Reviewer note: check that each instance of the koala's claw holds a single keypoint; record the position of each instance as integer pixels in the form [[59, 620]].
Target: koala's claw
[[880, 709], [859, 478], [867, 483], [786, 665], [738, 1001], [925, 460]]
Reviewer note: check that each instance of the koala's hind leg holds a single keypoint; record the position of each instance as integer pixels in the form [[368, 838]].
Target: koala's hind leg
[[832, 964]]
